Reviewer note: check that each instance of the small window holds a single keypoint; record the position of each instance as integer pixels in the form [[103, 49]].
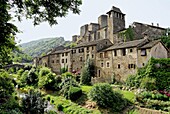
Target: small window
[[87, 48], [81, 59], [92, 56], [107, 64], [62, 54], [143, 52], [52, 61], [106, 43], [66, 60], [143, 64], [131, 50], [129, 66], [58, 55], [57, 61], [99, 73], [101, 64], [62, 61], [123, 52], [115, 52], [105, 54], [66, 54], [118, 66], [101, 55], [92, 48]]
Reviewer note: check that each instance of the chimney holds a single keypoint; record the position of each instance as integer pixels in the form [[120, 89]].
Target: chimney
[[152, 24], [157, 24]]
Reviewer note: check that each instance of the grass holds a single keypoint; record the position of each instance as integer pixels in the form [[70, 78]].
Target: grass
[[128, 95], [69, 107], [86, 89]]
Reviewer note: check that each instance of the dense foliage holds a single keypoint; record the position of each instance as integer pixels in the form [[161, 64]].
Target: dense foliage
[[155, 75], [105, 97], [87, 72], [33, 103], [154, 100], [6, 85]]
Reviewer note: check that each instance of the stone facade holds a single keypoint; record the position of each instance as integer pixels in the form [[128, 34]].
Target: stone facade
[[112, 57]]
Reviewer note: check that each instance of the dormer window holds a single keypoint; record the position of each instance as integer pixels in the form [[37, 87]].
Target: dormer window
[[143, 52]]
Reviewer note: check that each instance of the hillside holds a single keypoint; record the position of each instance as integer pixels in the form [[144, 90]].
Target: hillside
[[42, 46]]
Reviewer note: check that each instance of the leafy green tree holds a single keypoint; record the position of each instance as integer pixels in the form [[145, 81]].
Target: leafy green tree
[[37, 10], [86, 73], [6, 85]]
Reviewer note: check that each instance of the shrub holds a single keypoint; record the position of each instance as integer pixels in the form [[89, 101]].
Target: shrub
[[47, 79], [33, 103], [6, 85], [59, 107], [20, 72], [148, 83], [74, 93], [66, 85], [105, 97]]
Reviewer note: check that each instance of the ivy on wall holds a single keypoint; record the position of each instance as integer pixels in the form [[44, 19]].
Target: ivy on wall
[[127, 35], [156, 72]]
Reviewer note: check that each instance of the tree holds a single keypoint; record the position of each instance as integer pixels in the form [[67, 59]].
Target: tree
[[37, 10], [87, 72]]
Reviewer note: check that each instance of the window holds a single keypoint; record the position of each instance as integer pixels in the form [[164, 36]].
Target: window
[[105, 54], [123, 52], [92, 48], [101, 55], [87, 48], [62, 54], [52, 61], [66, 54], [57, 61], [62, 61], [92, 56], [118, 66], [101, 64], [129, 66], [58, 55], [98, 35], [87, 56], [143, 64], [107, 64], [115, 52], [66, 60], [81, 59], [131, 50], [143, 52], [73, 51], [99, 73]]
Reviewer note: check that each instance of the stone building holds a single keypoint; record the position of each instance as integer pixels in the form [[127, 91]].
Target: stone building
[[111, 55]]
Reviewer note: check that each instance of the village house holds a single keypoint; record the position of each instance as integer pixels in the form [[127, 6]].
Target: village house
[[112, 55]]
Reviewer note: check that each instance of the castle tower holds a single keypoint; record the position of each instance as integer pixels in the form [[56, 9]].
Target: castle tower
[[116, 22]]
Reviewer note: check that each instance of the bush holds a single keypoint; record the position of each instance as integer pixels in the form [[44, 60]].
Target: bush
[[6, 85], [66, 85], [47, 79], [148, 83], [59, 107], [33, 103], [75, 93], [105, 97]]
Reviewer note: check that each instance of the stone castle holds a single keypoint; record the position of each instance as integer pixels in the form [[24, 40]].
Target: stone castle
[[114, 50]]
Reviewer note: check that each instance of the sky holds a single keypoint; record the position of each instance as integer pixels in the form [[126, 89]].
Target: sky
[[144, 11]]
